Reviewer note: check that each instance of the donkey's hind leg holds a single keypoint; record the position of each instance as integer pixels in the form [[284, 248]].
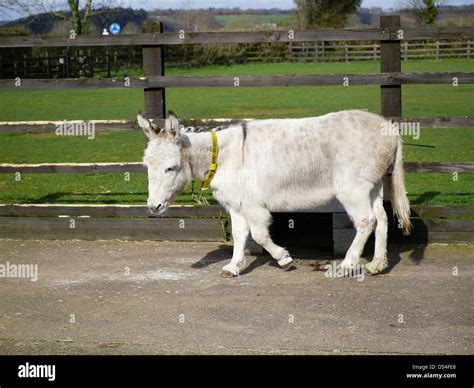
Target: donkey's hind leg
[[380, 261], [356, 199], [259, 220]]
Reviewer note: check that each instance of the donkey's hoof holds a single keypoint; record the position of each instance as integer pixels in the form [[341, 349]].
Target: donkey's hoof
[[226, 274], [229, 271], [376, 267], [349, 263], [285, 263]]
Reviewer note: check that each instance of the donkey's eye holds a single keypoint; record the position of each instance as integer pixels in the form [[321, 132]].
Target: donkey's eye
[[169, 169]]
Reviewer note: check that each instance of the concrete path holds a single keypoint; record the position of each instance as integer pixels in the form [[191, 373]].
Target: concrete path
[[117, 297]]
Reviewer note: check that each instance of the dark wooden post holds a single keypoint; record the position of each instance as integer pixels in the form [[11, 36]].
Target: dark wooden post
[[153, 64], [25, 66], [48, 64], [90, 63], [107, 59], [68, 63], [391, 95]]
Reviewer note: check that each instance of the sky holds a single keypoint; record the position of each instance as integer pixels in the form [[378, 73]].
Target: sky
[[282, 4]]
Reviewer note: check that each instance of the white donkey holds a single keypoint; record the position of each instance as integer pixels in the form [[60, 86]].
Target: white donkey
[[279, 165]]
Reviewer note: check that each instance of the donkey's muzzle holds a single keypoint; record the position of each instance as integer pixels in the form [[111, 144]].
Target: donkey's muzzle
[[155, 208]]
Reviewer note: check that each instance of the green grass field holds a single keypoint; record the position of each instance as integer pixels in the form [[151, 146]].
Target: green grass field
[[419, 100], [256, 102], [251, 21]]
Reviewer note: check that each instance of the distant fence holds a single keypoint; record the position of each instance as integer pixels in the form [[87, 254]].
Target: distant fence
[[75, 62], [324, 52], [68, 62]]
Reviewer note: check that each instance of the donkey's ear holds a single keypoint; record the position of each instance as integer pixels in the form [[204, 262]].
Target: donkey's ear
[[172, 126], [150, 129]]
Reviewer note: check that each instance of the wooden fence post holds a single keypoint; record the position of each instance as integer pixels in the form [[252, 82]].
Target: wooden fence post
[[107, 61], [68, 62], [25, 66], [48, 64], [153, 64], [90, 63], [390, 61], [391, 95]]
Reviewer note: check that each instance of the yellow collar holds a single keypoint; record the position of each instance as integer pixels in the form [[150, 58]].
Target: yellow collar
[[213, 166]]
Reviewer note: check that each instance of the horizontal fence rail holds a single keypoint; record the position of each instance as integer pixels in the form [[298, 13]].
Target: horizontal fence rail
[[211, 211], [183, 37], [123, 210], [67, 168], [109, 228], [42, 126], [437, 167], [240, 81], [48, 210], [432, 223], [129, 125], [436, 122]]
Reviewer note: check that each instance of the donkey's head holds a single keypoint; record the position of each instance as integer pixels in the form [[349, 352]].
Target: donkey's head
[[168, 170]]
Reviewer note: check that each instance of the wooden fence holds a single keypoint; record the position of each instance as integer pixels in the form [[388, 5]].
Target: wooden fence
[[71, 62], [72, 168], [323, 52], [318, 229], [75, 62], [391, 38]]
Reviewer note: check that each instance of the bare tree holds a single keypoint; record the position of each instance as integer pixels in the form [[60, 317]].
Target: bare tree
[[76, 11], [324, 13], [426, 11]]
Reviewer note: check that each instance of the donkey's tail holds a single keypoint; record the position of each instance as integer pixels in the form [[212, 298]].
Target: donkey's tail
[[400, 204]]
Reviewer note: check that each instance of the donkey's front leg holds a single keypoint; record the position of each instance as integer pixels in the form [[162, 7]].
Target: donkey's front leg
[[240, 232], [259, 220]]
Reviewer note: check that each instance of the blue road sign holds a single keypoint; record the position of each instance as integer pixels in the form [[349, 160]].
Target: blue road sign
[[114, 28]]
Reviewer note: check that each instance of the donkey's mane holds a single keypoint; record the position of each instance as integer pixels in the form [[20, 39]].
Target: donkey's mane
[[207, 128]]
